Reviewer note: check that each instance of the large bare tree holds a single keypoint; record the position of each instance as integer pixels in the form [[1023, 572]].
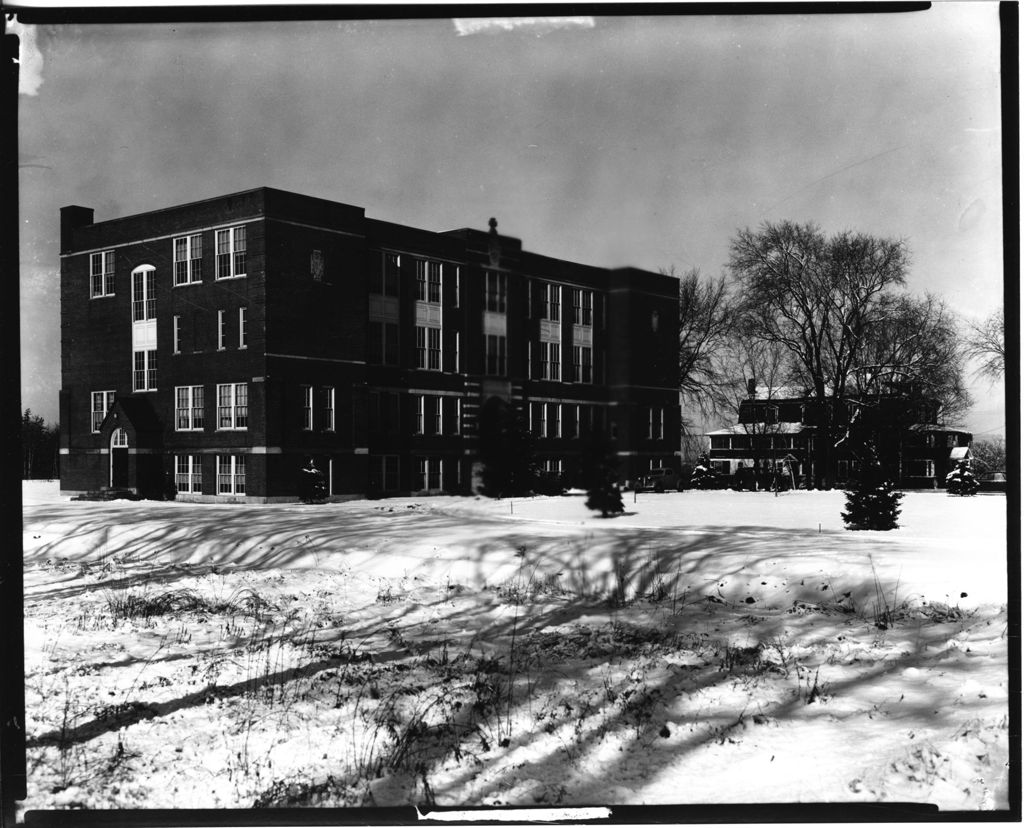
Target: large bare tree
[[818, 297], [986, 343]]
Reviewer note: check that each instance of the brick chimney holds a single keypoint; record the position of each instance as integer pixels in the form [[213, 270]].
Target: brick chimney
[[71, 218]]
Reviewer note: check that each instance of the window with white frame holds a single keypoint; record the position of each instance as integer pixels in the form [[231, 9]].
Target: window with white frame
[[494, 355], [233, 406], [101, 274], [428, 473], [428, 347], [176, 333], [382, 348], [143, 293], [433, 420], [428, 281], [101, 402], [571, 424], [243, 327], [582, 307], [582, 363], [551, 466], [188, 408], [327, 407], [419, 413], [552, 302], [452, 417], [231, 474], [188, 473], [144, 370], [551, 361], [231, 247], [307, 407], [221, 331], [456, 291], [188, 259], [458, 353], [495, 291], [655, 423]]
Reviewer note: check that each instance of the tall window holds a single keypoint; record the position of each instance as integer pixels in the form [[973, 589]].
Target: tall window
[[307, 407], [316, 265], [382, 348], [144, 371], [495, 287], [101, 274], [452, 417], [188, 473], [327, 407], [456, 290], [221, 331], [428, 348], [458, 353], [233, 406], [188, 408], [385, 282], [494, 355], [428, 281], [428, 473], [582, 307], [176, 334], [655, 424], [434, 415], [231, 474], [243, 327], [143, 294], [420, 411], [231, 253], [551, 361], [554, 420], [571, 426], [552, 302], [101, 402], [188, 259], [582, 363]]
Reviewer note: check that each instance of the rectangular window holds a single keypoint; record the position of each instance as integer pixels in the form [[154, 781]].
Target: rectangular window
[[316, 265], [552, 299], [307, 407], [231, 253], [458, 354], [143, 294], [176, 334], [144, 371], [421, 280], [327, 407], [101, 402], [243, 327], [188, 408], [386, 283], [428, 281], [188, 473], [434, 349], [101, 274], [551, 361], [582, 364], [582, 307], [420, 403], [434, 416], [384, 473], [571, 427], [452, 414], [221, 331], [188, 259], [428, 473], [456, 290], [383, 345], [233, 406], [655, 424], [494, 355], [554, 420], [495, 285], [231, 474]]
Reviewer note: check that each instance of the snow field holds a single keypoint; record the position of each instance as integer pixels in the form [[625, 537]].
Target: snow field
[[707, 647]]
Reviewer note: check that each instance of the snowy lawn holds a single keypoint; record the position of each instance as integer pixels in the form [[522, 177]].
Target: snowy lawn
[[705, 647]]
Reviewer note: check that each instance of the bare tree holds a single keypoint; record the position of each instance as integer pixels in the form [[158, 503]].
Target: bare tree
[[990, 454], [706, 317], [817, 297], [986, 343]]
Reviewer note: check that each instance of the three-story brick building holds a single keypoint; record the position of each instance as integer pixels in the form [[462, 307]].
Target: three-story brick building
[[221, 344]]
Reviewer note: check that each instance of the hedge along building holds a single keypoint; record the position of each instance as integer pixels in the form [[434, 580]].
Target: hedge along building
[[223, 343]]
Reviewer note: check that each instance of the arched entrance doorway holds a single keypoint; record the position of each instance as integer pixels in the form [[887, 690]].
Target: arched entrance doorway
[[119, 459]]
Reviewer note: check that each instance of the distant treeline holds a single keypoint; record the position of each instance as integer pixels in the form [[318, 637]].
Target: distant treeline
[[39, 444]]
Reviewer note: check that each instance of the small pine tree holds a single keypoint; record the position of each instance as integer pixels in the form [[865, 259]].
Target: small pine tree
[[601, 472], [873, 502]]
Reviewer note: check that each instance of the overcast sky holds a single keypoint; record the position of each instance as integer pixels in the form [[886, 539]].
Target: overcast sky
[[611, 141]]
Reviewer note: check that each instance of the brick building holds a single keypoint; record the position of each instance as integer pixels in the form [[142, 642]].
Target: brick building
[[224, 342], [779, 425]]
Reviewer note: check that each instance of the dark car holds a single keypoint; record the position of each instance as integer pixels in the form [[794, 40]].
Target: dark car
[[659, 480], [993, 482]]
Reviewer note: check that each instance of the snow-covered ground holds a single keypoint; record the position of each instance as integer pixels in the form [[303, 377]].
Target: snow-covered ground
[[704, 647]]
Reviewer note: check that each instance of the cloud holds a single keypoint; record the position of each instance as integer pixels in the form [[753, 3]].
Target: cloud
[[538, 25], [30, 59]]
